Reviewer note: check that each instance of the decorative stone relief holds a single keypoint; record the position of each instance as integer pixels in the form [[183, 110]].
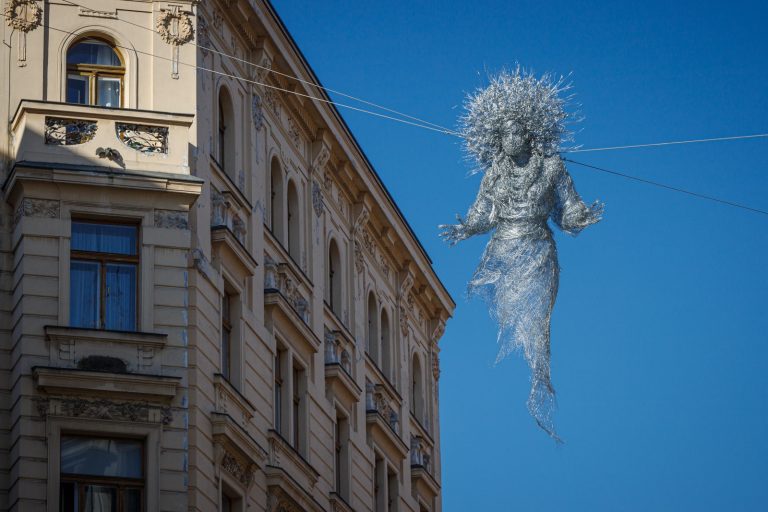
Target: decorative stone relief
[[241, 470], [257, 112], [103, 409], [23, 16], [436, 364], [358, 232], [272, 104], [263, 67], [335, 352], [317, 198], [68, 132], [219, 208], [175, 28], [171, 219], [91, 13], [30, 207], [293, 131], [203, 36], [378, 400], [279, 277], [321, 158], [238, 228], [420, 453], [143, 138], [402, 300]]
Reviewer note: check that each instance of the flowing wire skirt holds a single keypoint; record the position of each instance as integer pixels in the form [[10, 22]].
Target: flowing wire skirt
[[518, 278]]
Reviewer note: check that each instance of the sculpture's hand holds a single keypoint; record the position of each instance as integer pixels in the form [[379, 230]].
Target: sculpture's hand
[[453, 233], [596, 211]]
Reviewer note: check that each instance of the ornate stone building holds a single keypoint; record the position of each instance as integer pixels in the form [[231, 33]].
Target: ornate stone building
[[208, 299]]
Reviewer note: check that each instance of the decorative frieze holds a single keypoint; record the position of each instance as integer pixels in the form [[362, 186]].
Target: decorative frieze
[[103, 409], [317, 198], [171, 219], [31, 207], [92, 13], [143, 138], [241, 470], [257, 112], [402, 301], [60, 131]]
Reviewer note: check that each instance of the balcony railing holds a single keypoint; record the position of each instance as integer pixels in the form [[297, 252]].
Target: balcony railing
[[83, 135], [282, 278], [379, 400]]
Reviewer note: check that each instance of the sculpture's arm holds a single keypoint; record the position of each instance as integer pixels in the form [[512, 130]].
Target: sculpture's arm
[[570, 213], [479, 217]]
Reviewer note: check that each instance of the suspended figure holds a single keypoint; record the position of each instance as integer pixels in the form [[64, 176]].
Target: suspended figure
[[513, 129]]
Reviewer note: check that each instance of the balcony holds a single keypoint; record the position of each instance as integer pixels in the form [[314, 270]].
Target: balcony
[[229, 220], [74, 136], [383, 420], [339, 357]]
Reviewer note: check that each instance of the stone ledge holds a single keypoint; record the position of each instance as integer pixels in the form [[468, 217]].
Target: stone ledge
[[341, 384], [229, 434], [61, 333], [86, 382], [379, 430], [424, 481], [280, 452]]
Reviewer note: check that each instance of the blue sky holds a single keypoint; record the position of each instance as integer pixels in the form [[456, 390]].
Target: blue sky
[[659, 333]]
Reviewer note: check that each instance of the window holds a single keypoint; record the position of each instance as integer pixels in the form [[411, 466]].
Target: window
[[279, 391], [297, 416], [294, 234], [386, 346], [95, 74], [341, 456], [334, 278], [417, 396], [101, 474], [372, 340], [225, 154], [276, 200], [393, 495], [103, 276], [230, 500], [226, 336]]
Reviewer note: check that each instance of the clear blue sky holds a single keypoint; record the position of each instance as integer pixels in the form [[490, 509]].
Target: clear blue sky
[[659, 341]]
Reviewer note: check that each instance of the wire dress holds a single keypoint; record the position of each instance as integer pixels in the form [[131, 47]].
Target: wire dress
[[518, 274]]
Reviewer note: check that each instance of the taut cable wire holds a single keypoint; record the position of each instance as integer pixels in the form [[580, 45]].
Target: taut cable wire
[[291, 77], [670, 143], [669, 187]]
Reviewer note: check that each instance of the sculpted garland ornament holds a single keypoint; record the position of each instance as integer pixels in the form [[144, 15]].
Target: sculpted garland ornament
[[184, 31], [23, 15]]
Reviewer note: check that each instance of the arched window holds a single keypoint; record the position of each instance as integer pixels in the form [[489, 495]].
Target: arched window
[[386, 346], [276, 200], [95, 73], [417, 390], [294, 229], [225, 152], [334, 278], [372, 338]]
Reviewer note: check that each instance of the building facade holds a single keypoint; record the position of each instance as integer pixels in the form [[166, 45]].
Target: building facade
[[208, 299]]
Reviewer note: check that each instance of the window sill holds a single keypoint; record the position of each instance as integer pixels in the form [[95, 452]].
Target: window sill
[[62, 333], [87, 382]]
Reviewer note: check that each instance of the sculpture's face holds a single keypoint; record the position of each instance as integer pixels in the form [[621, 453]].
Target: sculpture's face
[[514, 141]]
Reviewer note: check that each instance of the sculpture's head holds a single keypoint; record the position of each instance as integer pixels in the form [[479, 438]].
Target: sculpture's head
[[516, 114]]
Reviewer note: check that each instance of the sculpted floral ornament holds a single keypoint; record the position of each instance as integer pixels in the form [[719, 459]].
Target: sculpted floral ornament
[[184, 31], [23, 15]]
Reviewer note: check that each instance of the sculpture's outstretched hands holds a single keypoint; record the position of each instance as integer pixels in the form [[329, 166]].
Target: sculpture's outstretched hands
[[453, 233]]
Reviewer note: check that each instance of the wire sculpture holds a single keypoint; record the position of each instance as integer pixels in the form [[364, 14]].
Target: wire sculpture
[[513, 129]]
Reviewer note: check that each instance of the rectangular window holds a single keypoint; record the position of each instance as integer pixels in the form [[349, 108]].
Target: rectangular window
[[341, 455], [101, 474], [104, 276], [279, 392], [296, 407], [226, 336]]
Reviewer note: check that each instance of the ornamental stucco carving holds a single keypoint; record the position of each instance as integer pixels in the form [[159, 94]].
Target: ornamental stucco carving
[[317, 198], [23, 15], [103, 409], [242, 471], [257, 112], [31, 207], [171, 219], [175, 26]]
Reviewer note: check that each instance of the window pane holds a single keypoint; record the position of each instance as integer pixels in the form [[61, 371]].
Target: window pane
[[108, 92], [101, 457], [100, 498], [68, 497], [132, 500], [120, 297], [93, 51], [84, 288], [110, 238], [78, 89], [225, 353]]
